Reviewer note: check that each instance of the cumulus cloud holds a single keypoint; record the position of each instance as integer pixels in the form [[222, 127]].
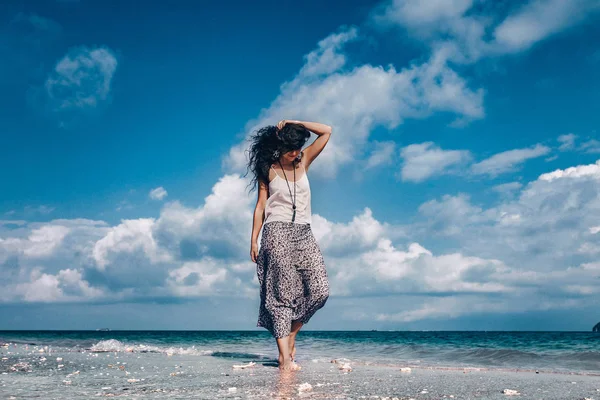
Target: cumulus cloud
[[33, 257], [357, 100], [542, 228], [424, 160], [537, 250], [81, 79], [128, 237], [188, 252], [508, 161], [158, 193], [591, 171], [67, 285]]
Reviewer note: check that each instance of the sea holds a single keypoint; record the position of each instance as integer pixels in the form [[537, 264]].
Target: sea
[[564, 351], [81, 364]]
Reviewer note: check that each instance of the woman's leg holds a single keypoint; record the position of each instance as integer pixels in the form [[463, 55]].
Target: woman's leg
[[296, 325], [285, 360]]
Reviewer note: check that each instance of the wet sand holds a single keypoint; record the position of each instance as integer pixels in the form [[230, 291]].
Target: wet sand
[[28, 372]]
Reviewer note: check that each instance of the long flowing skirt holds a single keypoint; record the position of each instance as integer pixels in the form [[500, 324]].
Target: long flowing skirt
[[292, 276]]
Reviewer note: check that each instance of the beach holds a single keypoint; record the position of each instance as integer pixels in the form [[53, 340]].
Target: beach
[[112, 368]]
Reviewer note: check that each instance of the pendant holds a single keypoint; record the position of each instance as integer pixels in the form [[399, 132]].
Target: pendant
[[294, 216]]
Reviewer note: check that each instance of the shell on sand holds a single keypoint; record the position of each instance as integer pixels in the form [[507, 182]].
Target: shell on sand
[[243, 366]]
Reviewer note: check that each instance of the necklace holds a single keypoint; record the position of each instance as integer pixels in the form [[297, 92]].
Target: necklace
[[288, 185]]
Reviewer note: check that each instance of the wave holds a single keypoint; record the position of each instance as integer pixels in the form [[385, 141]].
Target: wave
[[116, 346]]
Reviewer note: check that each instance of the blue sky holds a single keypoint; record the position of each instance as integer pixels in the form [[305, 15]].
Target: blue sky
[[459, 189]]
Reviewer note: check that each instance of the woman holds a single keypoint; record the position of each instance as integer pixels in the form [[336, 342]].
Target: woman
[[290, 267]]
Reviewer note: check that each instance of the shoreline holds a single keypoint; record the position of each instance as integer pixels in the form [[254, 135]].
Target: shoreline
[[30, 348], [62, 374]]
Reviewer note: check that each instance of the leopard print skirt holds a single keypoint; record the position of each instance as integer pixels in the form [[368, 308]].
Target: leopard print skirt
[[292, 276]]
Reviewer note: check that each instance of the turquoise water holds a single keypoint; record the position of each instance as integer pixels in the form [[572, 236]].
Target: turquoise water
[[560, 351]]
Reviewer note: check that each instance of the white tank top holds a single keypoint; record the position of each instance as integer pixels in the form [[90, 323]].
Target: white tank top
[[279, 203]]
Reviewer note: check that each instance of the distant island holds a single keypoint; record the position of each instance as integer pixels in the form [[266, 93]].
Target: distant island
[[596, 327]]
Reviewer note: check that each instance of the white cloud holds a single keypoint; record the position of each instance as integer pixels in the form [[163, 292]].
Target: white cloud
[[382, 154], [580, 171], [543, 241], [448, 26], [12, 222], [361, 233], [538, 20], [67, 285], [128, 237], [424, 160], [43, 288], [44, 240], [356, 101], [508, 161], [507, 188], [542, 229], [449, 215], [590, 146], [81, 79], [459, 28], [457, 306], [194, 279], [41, 242], [446, 307], [418, 13], [158, 193], [327, 58], [525, 270], [186, 252], [362, 260], [567, 142]]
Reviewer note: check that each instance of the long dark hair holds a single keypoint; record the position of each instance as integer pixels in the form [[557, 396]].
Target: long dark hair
[[268, 143]]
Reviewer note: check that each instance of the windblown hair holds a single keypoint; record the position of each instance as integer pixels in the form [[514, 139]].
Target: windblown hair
[[268, 143]]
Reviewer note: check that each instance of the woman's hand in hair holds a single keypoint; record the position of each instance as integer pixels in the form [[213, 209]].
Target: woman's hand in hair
[[282, 123]]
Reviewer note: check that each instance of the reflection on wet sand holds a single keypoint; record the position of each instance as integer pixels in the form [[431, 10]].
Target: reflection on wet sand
[[286, 385]]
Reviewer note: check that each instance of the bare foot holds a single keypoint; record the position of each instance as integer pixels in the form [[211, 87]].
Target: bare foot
[[293, 353], [288, 364]]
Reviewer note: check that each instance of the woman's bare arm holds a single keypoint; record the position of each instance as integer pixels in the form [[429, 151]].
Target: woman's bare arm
[[259, 217], [321, 130]]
